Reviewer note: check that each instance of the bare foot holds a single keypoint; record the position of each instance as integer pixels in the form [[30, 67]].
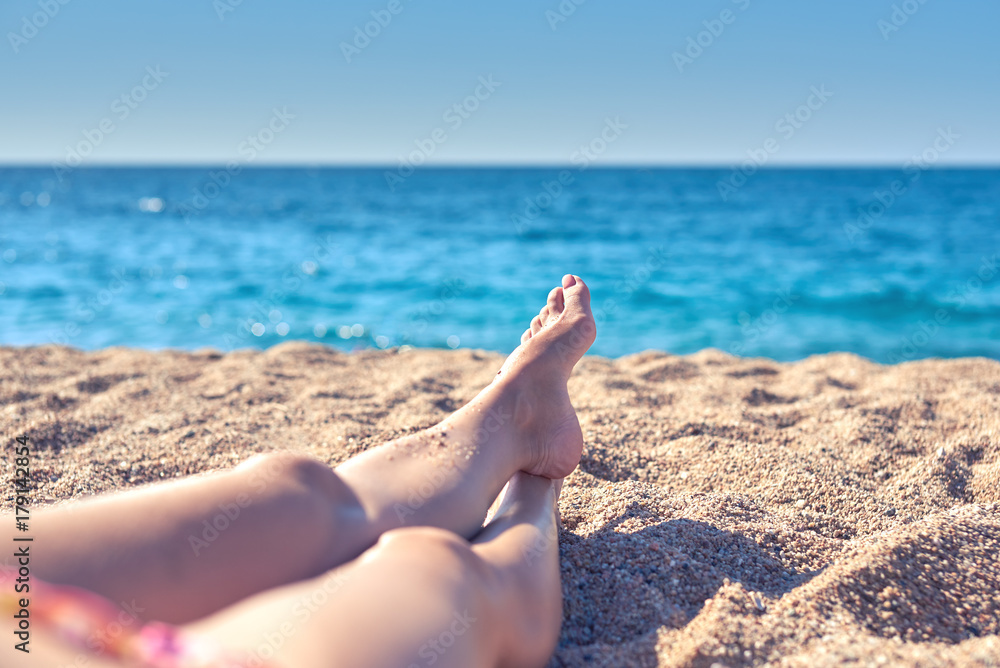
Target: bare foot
[[532, 383], [446, 475]]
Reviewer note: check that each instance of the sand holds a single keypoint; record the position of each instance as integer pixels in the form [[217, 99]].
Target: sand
[[726, 512]]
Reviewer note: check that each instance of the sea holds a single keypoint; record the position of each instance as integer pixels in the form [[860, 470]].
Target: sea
[[893, 264]]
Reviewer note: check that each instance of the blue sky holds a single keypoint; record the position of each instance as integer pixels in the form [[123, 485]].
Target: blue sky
[[558, 82]]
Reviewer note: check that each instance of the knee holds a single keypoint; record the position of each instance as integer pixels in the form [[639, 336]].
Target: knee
[[307, 485], [446, 548], [422, 537], [443, 559], [286, 470], [453, 578], [523, 614]]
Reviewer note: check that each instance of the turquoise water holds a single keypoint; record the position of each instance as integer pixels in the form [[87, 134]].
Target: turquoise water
[[791, 263]]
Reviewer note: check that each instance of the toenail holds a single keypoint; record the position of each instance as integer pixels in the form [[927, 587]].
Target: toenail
[[568, 281]]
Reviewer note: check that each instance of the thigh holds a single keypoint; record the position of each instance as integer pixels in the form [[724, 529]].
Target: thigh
[[181, 550], [420, 597]]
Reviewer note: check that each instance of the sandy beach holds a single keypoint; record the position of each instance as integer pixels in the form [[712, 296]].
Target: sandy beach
[[727, 512]]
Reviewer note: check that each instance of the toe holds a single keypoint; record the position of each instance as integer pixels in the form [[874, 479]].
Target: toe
[[544, 314], [526, 335], [576, 295], [555, 301], [536, 324]]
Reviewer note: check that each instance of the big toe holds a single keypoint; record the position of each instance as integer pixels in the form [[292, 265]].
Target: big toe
[[576, 295]]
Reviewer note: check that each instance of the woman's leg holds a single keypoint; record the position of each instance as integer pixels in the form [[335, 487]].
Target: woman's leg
[[181, 550], [419, 597]]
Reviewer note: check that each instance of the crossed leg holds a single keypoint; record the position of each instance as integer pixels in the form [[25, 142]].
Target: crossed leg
[[289, 519], [421, 596]]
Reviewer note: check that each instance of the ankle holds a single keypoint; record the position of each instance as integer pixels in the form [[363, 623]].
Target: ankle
[[526, 492], [509, 409]]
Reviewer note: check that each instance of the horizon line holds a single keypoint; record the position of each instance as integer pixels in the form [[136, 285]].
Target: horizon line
[[495, 165]]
